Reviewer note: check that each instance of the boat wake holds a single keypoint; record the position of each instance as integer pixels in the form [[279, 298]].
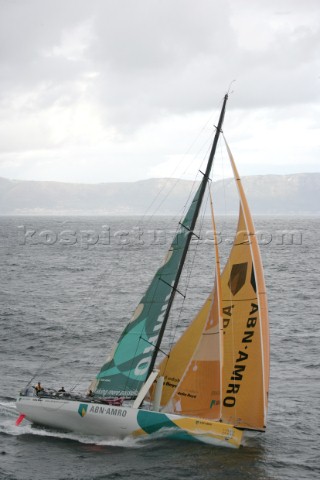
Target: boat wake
[[8, 409]]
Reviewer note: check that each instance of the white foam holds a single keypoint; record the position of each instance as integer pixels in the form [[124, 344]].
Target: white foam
[[8, 427], [9, 404], [8, 409]]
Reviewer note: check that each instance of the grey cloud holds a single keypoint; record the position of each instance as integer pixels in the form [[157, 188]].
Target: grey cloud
[[152, 57]]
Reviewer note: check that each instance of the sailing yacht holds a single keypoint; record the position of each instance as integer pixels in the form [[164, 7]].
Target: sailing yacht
[[213, 384]]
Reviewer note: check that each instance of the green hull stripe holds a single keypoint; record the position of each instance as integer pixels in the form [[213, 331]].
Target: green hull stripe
[[152, 422]]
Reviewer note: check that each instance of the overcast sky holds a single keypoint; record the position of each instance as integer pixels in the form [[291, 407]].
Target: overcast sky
[[123, 90]]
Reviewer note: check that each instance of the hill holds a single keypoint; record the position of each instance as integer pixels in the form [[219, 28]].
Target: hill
[[267, 194]]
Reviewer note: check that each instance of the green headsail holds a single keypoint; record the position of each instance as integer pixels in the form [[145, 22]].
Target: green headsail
[[127, 369], [134, 356]]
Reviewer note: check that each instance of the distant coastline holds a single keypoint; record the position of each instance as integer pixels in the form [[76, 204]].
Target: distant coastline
[[294, 194]]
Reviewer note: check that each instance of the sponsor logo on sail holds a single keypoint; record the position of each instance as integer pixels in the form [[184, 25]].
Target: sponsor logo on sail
[[239, 368]]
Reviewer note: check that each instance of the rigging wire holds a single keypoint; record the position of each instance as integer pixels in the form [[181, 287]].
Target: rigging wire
[[188, 275], [177, 166]]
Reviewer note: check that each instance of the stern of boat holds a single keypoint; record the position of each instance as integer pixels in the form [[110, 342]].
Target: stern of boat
[[188, 428]]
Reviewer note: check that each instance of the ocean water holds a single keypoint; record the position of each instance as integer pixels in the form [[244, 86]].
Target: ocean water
[[68, 287]]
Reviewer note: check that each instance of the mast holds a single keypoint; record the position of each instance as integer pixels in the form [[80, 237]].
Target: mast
[[202, 189]]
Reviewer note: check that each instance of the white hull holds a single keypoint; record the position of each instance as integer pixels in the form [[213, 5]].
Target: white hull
[[119, 422]]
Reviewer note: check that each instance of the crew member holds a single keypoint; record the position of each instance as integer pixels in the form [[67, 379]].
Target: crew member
[[38, 388]]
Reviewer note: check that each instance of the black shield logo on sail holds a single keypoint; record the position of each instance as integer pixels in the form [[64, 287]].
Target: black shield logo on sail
[[237, 277]]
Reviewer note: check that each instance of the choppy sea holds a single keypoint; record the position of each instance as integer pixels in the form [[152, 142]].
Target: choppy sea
[[68, 285]]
